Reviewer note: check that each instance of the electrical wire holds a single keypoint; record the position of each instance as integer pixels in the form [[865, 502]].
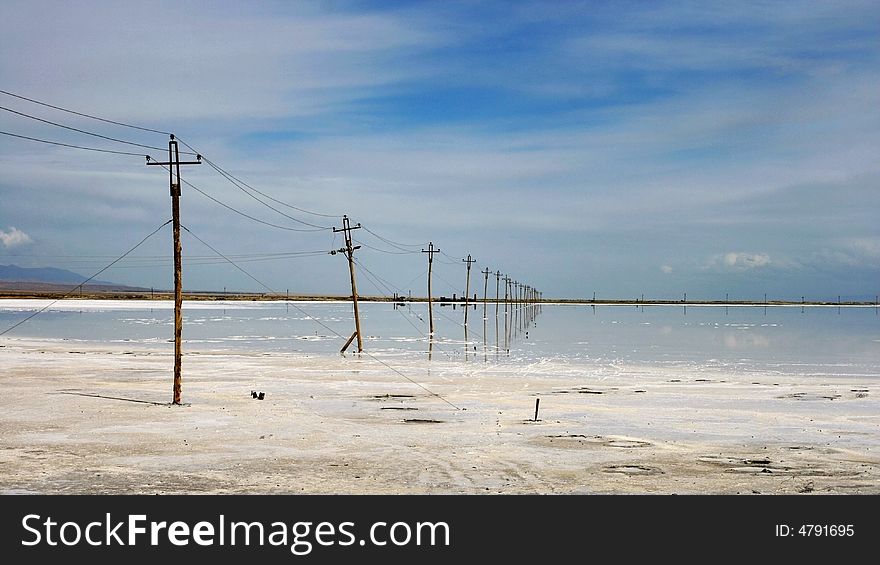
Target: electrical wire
[[452, 286], [228, 260], [233, 177], [368, 246], [82, 114], [230, 177], [280, 254], [422, 274], [240, 187], [369, 276], [287, 228], [80, 285], [376, 281], [401, 246], [454, 260], [379, 279], [239, 212], [138, 263], [71, 128], [71, 145], [234, 180], [386, 283]]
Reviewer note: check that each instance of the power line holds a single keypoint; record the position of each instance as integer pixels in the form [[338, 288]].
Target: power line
[[248, 216], [228, 260], [451, 286], [71, 145], [376, 281], [238, 186], [368, 272], [414, 279], [388, 284], [454, 260], [367, 245], [478, 334], [123, 124], [203, 193], [71, 128], [280, 255], [372, 278], [230, 177], [319, 322], [138, 263], [381, 281], [395, 243], [241, 185], [233, 177], [71, 291]]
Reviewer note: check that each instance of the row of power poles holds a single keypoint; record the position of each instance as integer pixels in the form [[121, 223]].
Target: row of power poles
[[514, 292]]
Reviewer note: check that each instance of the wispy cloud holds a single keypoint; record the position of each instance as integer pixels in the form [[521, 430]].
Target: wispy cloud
[[736, 141], [856, 253], [738, 261]]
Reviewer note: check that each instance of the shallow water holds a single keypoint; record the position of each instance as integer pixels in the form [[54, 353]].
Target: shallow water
[[826, 341]]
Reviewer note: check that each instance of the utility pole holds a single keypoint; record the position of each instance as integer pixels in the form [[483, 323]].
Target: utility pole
[[430, 251], [173, 165], [486, 274], [349, 253], [497, 286], [467, 284], [519, 298]]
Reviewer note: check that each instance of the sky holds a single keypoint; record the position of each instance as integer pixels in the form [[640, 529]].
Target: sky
[[618, 148]]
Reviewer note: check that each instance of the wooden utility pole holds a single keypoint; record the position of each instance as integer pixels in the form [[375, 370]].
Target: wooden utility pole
[[516, 303], [173, 165], [430, 251], [485, 290], [467, 285], [349, 253]]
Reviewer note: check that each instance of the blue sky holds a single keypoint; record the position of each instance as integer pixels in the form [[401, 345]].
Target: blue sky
[[616, 147]]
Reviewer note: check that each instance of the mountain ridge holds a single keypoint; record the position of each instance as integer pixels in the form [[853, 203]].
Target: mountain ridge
[[52, 275]]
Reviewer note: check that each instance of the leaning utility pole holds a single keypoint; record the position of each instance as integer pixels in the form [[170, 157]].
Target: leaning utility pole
[[349, 252], [173, 165], [430, 251], [467, 285]]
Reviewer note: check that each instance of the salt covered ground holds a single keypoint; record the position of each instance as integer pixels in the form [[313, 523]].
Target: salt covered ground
[[80, 418]]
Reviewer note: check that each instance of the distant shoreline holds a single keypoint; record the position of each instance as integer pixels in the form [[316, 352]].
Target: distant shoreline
[[214, 296]]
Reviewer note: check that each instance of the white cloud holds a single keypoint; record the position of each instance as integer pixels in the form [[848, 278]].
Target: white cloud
[[666, 269], [14, 237], [738, 261]]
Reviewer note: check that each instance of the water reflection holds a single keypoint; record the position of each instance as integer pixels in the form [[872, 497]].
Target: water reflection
[[761, 334]]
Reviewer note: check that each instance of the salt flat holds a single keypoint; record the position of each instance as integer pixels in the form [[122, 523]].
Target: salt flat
[[94, 418]]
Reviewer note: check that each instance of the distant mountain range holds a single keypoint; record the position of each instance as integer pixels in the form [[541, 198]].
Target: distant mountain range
[[50, 275], [17, 279], [14, 273]]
